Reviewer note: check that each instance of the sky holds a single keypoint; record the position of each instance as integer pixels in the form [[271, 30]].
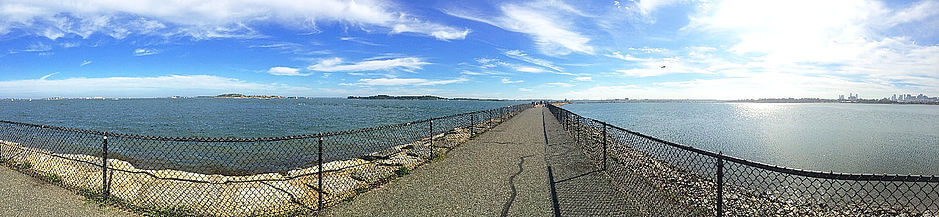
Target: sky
[[554, 49]]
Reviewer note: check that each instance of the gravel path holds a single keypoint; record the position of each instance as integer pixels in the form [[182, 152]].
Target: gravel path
[[498, 173], [22, 195]]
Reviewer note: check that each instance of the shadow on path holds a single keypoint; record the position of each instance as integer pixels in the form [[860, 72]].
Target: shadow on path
[[578, 187]]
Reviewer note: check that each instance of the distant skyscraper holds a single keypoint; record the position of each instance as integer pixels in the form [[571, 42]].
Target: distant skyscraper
[[841, 97]]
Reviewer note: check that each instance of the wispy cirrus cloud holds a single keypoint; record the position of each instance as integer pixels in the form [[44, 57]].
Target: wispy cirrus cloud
[[559, 84], [207, 19], [281, 70], [145, 51], [521, 55], [338, 65], [583, 78], [548, 23], [84, 63], [360, 41], [509, 81]]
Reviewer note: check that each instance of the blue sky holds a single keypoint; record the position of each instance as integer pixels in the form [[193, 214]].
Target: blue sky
[[730, 49]]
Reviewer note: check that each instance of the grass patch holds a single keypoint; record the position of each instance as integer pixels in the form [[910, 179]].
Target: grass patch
[[360, 190], [439, 157], [24, 166], [402, 171], [54, 178]]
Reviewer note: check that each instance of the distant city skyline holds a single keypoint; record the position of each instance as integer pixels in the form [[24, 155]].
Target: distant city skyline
[[547, 49]]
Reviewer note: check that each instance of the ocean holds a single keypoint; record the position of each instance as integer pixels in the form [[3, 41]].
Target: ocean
[[853, 138], [224, 117]]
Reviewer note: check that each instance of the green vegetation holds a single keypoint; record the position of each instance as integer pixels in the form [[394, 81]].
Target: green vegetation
[[24, 166], [54, 178], [402, 171]]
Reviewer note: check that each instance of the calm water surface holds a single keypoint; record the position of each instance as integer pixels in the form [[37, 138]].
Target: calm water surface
[[208, 117], [856, 138]]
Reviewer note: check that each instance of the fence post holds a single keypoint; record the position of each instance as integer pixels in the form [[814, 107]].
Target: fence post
[[604, 145], [431, 139], [472, 124], [105, 182], [490, 118], [319, 175], [720, 184]]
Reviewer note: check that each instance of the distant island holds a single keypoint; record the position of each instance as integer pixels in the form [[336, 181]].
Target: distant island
[[242, 96], [387, 97]]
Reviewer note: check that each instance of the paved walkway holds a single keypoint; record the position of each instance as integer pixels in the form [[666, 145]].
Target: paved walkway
[[498, 173], [22, 195], [502, 172]]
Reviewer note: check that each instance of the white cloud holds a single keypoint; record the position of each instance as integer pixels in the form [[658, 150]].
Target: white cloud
[[38, 47], [467, 72], [281, 70], [646, 7], [145, 51], [649, 50], [841, 38], [559, 84], [140, 87], [522, 89], [486, 60], [583, 78], [47, 76], [207, 19], [529, 69], [336, 65], [521, 55], [627, 57], [404, 81], [85, 63], [507, 81], [360, 41], [547, 22]]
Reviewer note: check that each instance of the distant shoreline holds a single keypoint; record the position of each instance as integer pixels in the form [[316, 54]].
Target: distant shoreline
[[426, 97]]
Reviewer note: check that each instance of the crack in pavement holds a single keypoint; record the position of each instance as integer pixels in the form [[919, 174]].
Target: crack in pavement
[[505, 210]]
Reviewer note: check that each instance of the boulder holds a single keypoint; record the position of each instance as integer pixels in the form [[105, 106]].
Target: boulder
[[127, 185], [300, 189], [188, 176], [72, 173], [421, 151], [327, 167], [257, 177], [383, 154], [401, 160], [338, 184], [373, 173]]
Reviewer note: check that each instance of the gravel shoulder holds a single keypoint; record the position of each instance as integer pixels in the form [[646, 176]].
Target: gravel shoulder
[[23, 195]]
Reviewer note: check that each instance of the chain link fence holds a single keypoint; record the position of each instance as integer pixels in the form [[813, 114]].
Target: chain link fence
[[665, 178], [291, 175]]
